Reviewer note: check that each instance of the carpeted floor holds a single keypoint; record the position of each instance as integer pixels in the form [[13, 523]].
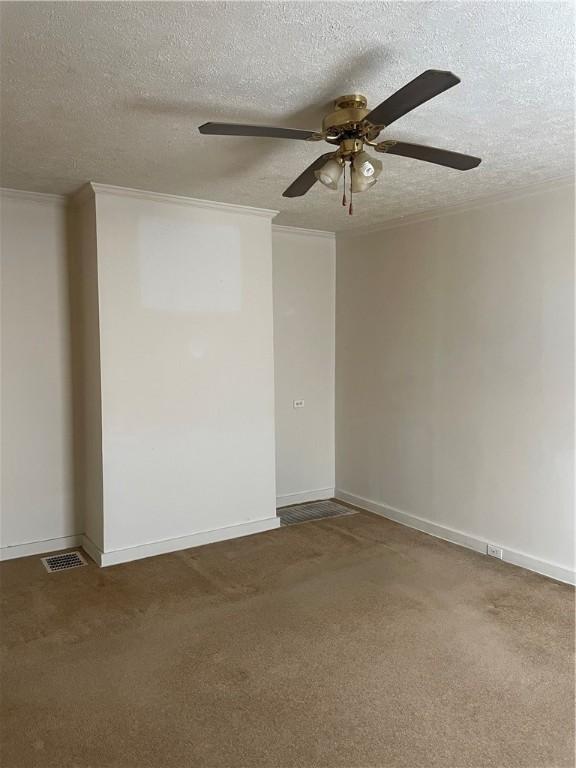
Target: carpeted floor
[[344, 643]]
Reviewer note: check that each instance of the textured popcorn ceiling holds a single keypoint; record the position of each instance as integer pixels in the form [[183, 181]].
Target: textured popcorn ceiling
[[114, 92]]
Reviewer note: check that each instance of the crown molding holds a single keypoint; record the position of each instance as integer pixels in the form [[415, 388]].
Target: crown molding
[[470, 205], [281, 229], [161, 197], [46, 198]]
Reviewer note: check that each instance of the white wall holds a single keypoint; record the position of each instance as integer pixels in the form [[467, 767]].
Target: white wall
[[87, 389], [304, 318], [455, 375], [454, 371], [37, 477], [186, 355], [68, 406]]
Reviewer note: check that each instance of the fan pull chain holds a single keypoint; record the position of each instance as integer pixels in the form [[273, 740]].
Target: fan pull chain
[[350, 209], [344, 195]]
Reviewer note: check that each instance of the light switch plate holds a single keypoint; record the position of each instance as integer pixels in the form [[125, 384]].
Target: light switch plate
[[298, 403]]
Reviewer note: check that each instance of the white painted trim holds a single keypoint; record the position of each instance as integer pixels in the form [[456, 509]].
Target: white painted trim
[[39, 197], [93, 552], [116, 556], [284, 230], [319, 494], [512, 556], [162, 197], [470, 205], [39, 547]]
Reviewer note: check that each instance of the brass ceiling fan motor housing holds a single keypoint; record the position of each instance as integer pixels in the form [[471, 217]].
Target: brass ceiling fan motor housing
[[346, 124]]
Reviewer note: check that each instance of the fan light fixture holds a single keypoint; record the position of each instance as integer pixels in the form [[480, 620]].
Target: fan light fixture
[[366, 166], [365, 172], [360, 183], [330, 173]]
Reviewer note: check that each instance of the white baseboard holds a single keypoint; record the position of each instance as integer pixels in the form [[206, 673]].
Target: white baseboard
[[546, 568], [320, 494], [39, 547], [116, 556]]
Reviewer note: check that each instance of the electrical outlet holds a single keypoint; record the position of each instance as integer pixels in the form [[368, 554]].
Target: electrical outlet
[[298, 403], [494, 551]]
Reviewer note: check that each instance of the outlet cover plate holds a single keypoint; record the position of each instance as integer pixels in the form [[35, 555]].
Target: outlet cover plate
[[494, 551]]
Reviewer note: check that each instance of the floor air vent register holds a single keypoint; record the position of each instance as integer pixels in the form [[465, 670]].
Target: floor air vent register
[[317, 510], [63, 562]]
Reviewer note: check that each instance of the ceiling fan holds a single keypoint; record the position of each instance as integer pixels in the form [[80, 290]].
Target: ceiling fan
[[351, 127]]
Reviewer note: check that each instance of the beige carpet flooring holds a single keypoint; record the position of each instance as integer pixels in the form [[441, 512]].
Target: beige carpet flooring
[[345, 643]]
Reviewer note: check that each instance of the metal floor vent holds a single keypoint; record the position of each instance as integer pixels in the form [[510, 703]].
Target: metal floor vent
[[316, 510], [63, 561]]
